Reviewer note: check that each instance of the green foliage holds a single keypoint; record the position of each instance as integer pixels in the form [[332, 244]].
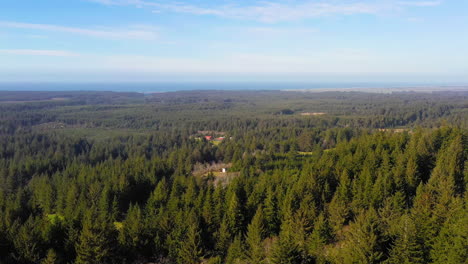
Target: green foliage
[[95, 244], [51, 257], [285, 249], [451, 245], [235, 253], [27, 241], [406, 248], [363, 241], [190, 251], [254, 238], [112, 178]]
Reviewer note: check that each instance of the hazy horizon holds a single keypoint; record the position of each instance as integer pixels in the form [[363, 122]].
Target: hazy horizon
[[156, 87]]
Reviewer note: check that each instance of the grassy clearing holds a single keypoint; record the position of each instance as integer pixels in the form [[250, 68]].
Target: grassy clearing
[[221, 178]]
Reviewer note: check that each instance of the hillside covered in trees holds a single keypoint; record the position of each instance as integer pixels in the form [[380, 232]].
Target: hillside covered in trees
[[334, 177]]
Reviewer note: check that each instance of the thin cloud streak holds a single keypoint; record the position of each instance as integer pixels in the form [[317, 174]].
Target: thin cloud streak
[[111, 34], [420, 4], [32, 52], [275, 31], [272, 12]]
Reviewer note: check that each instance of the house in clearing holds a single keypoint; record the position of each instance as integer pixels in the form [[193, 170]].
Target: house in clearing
[[209, 138]]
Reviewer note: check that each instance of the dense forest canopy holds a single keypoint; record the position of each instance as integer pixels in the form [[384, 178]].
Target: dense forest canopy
[[233, 177]]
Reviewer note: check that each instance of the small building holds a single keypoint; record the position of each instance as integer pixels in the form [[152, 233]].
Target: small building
[[209, 138], [223, 170], [219, 139]]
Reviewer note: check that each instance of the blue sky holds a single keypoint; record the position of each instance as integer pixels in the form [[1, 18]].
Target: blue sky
[[279, 40]]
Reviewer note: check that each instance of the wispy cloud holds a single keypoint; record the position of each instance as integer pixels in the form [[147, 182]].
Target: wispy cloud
[[420, 3], [33, 52], [136, 32], [270, 11], [277, 31]]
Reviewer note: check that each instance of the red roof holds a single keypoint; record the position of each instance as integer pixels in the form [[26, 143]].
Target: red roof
[[208, 137]]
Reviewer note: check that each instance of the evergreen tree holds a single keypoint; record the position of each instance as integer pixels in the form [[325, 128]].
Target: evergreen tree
[[27, 241], [406, 248], [235, 253], [132, 235], [51, 257], [271, 214], [424, 219], [190, 251], [285, 250], [95, 241], [223, 238], [363, 240], [451, 245], [234, 216], [319, 237], [255, 252]]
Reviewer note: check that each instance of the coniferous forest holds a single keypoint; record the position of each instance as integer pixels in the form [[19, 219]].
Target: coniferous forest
[[233, 177]]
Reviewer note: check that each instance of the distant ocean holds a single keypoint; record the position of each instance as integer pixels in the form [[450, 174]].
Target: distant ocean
[[186, 86]]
